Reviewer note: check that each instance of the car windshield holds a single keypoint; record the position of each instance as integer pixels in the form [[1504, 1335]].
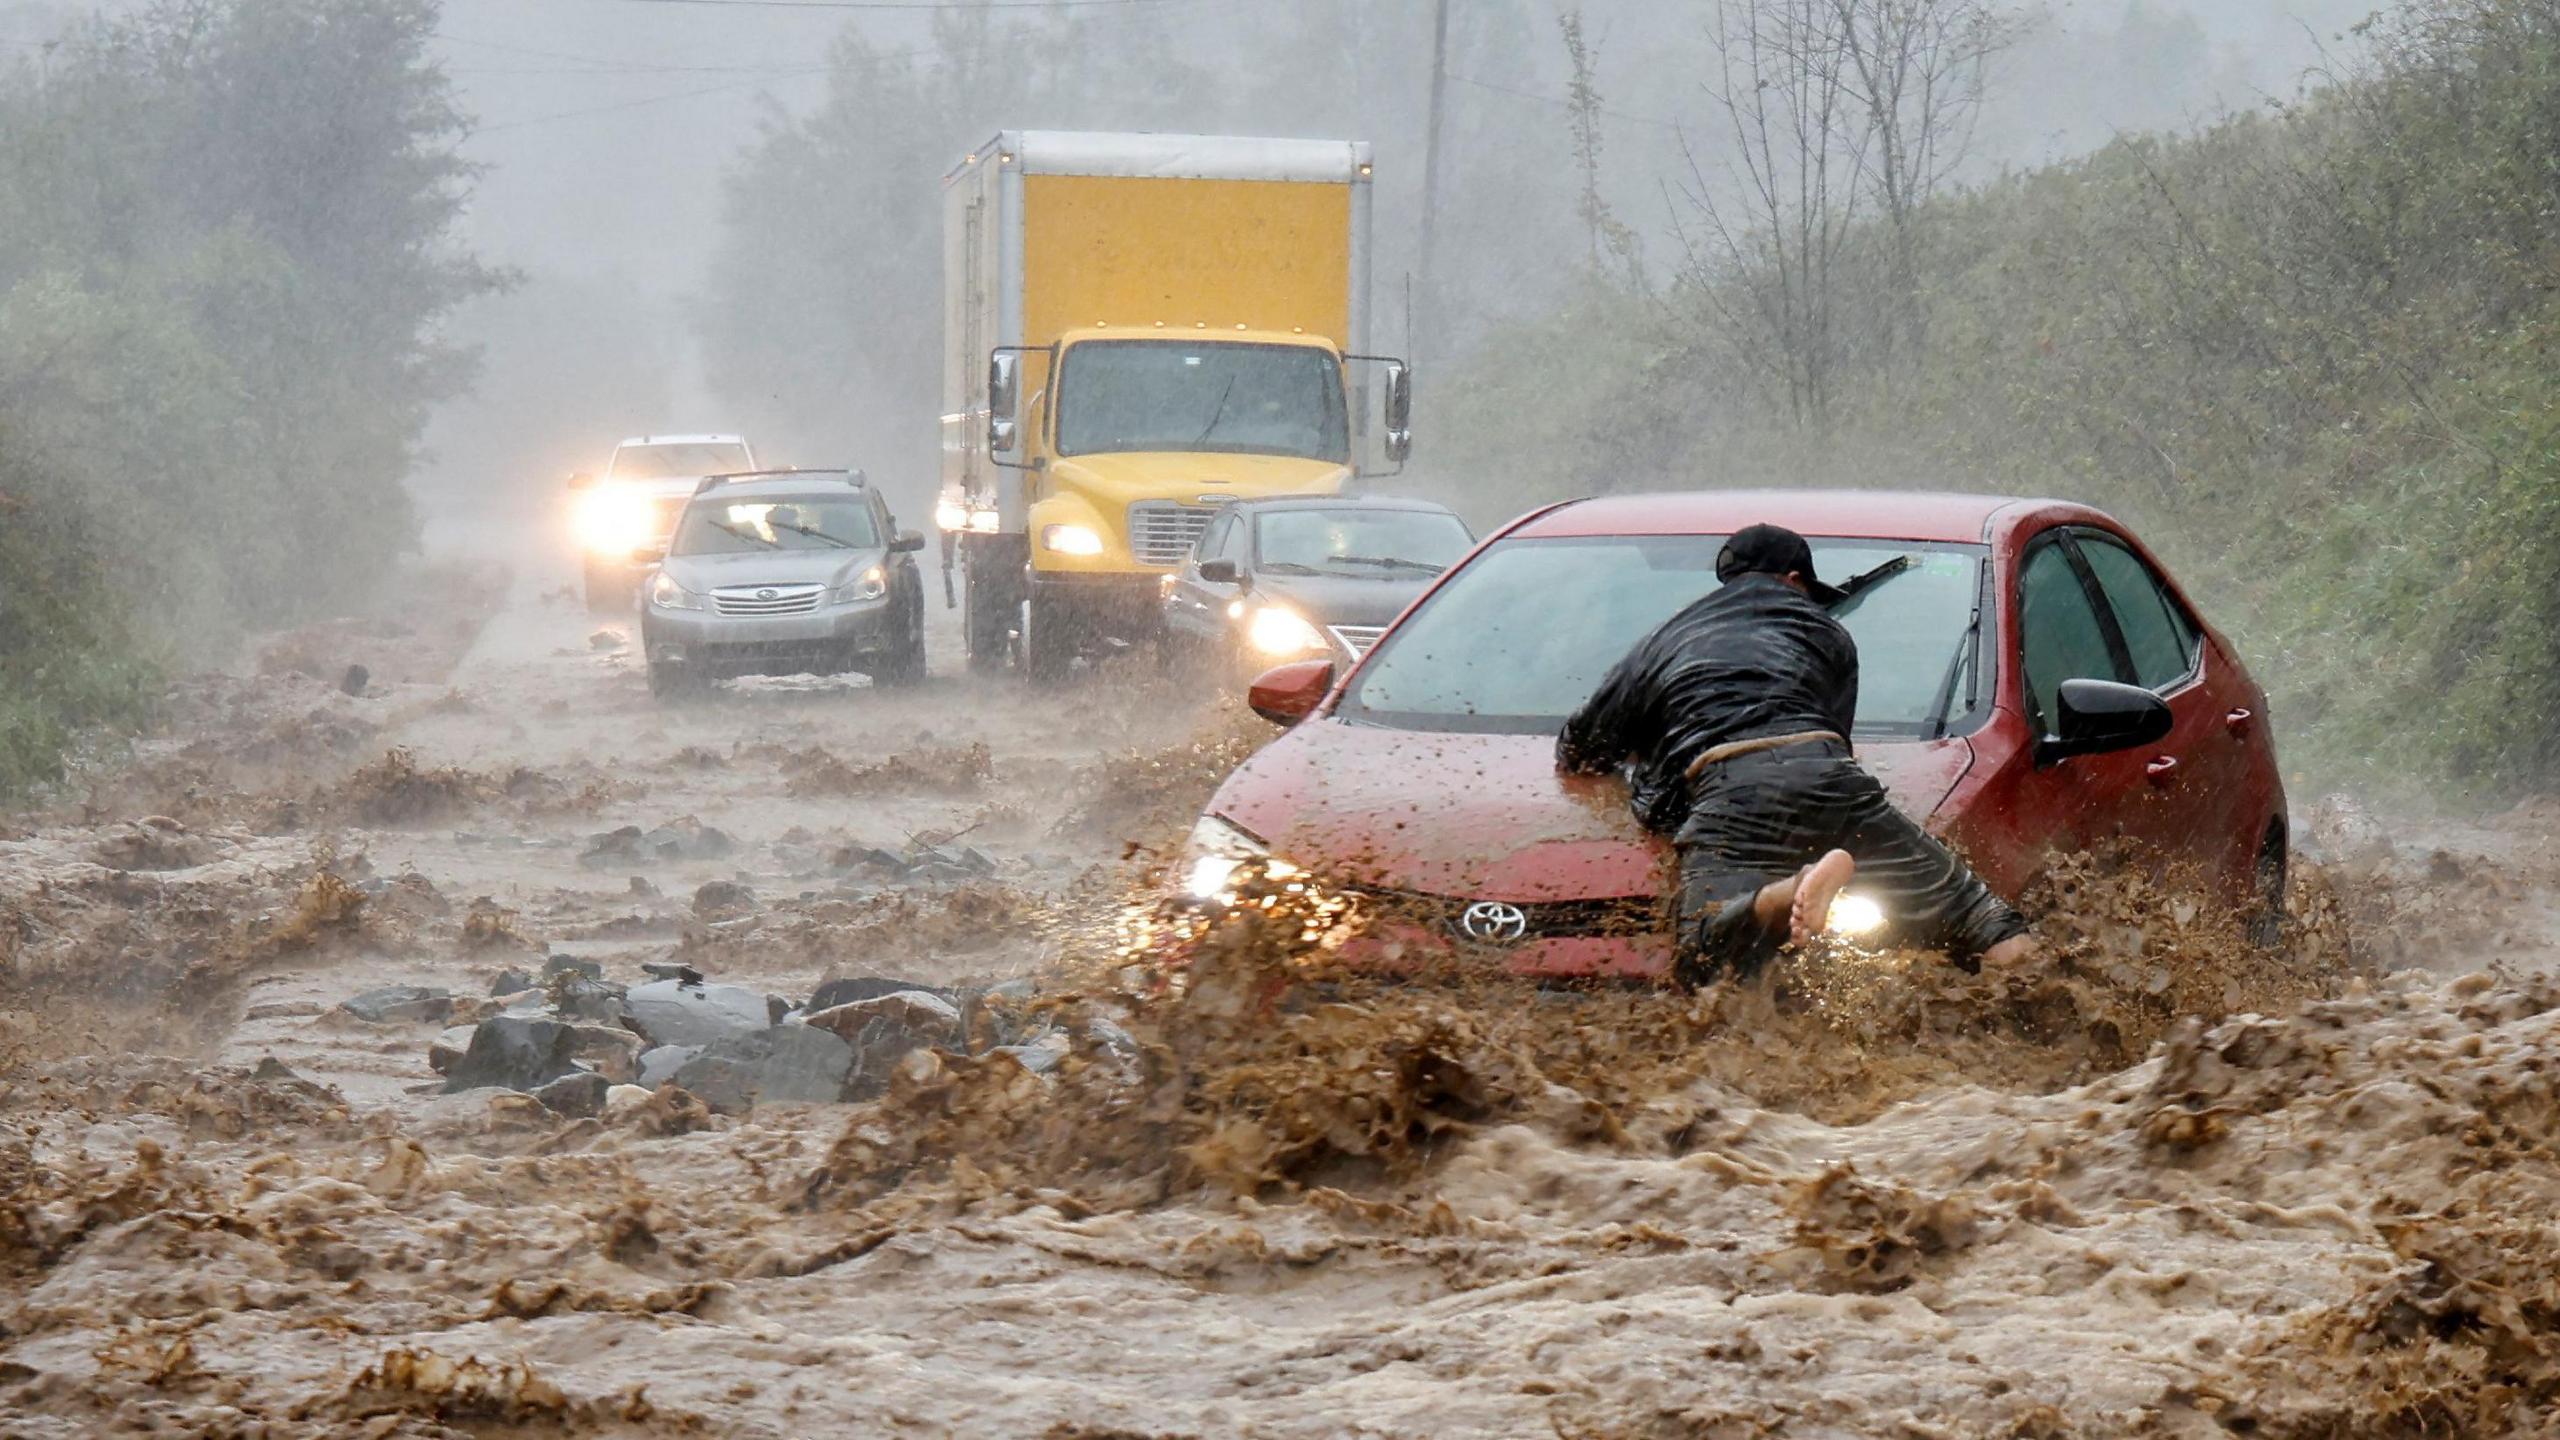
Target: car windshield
[[678, 462], [1521, 635], [738, 527], [1155, 395], [1371, 543]]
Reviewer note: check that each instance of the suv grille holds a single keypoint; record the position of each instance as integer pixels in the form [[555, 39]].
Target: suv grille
[[1357, 638], [1162, 532], [767, 599]]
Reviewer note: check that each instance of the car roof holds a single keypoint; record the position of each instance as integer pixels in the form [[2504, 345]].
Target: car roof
[[1837, 514], [1338, 502], [765, 481], [642, 442]]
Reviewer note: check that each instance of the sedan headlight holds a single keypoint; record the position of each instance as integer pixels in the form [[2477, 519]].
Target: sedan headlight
[[1071, 539], [666, 594], [1278, 630], [871, 584], [1220, 849], [615, 522]]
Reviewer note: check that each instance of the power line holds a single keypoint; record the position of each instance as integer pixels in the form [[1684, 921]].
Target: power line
[[969, 5], [1559, 101]]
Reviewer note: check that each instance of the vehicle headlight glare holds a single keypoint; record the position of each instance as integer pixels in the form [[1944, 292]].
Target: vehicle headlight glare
[[666, 594], [1277, 631], [984, 521], [1071, 539], [1854, 916], [612, 522], [951, 515]]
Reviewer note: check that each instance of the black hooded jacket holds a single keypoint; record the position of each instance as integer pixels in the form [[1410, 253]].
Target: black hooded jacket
[[1753, 659]]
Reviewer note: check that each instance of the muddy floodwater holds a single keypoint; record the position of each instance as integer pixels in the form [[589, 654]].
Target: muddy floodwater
[[2154, 1188]]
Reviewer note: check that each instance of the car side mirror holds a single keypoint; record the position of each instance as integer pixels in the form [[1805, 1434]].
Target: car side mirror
[[580, 480], [1004, 399], [1221, 572], [905, 542], [2100, 716], [648, 554], [1399, 411], [1287, 694]]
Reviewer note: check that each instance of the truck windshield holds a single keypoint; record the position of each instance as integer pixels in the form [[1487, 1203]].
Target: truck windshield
[[1519, 637], [1122, 395], [679, 461]]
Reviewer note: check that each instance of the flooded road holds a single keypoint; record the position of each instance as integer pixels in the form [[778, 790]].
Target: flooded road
[[1919, 1204]]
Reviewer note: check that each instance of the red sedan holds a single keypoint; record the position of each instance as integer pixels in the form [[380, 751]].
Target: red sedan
[[2032, 682]]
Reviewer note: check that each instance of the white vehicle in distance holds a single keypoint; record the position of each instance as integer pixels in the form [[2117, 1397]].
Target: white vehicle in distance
[[633, 506]]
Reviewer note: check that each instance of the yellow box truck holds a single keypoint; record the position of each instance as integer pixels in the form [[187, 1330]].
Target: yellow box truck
[[1137, 330]]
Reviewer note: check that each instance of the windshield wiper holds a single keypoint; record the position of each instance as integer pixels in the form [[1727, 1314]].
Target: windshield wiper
[[816, 534], [1287, 567], [745, 534], [1218, 414], [1968, 648], [1391, 562], [1855, 588]]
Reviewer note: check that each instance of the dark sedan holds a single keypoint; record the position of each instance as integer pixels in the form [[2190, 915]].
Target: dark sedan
[[1307, 577]]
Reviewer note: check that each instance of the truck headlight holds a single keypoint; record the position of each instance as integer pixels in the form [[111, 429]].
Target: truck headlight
[[1277, 630], [1218, 850], [614, 522], [950, 516], [871, 584], [1071, 539], [666, 594]]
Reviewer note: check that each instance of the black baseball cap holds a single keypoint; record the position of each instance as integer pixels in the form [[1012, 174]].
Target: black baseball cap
[[1773, 550]]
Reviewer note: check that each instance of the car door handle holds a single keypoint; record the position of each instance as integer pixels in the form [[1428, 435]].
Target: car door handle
[[2238, 720], [2162, 769]]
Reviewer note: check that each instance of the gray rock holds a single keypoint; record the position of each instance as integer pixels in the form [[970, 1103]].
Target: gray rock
[[722, 900], [670, 1012], [449, 1047], [400, 1004], [594, 1002], [512, 982], [803, 1066], [660, 1065], [570, 965], [515, 1051], [1038, 1056], [578, 1094], [1106, 1032], [931, 1016], [727, 1086], [852, 988]]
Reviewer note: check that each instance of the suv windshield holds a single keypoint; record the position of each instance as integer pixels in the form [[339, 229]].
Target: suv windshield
[[738, 527], [1517, 639], [1160, 395], [1372, 543], [678, 462]]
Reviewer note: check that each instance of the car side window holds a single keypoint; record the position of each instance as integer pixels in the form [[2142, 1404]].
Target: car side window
[[2159, 637], [2060, 633]]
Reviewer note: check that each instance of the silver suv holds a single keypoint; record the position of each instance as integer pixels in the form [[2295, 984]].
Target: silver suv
[[784, 572]]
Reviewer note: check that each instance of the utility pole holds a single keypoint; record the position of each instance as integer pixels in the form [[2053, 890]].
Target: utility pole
[[1426, 328]]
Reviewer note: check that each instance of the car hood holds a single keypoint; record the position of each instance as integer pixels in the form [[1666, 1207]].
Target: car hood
[[775, 567], [1483, 816], [1342, 599]]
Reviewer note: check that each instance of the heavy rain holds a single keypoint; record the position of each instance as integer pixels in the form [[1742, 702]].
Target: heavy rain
[[782, 718]]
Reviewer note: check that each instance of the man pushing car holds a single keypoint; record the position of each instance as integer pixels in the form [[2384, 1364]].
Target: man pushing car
[[1732, 723]]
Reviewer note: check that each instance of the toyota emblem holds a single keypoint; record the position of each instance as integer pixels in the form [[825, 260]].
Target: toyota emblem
[[767, 594], [1494, 921]]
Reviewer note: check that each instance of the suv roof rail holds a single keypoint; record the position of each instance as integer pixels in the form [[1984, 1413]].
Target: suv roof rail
[[849, 476]]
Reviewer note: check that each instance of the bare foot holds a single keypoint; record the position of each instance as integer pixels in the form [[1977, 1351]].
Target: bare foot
[[2012, 953], [1817, 885]]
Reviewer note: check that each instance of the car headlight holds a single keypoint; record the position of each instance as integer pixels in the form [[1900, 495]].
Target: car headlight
[[1854, 916], [1071, 539], [1218, 850], [615, 522], [871, 584], [1277, 630], [666, 594]]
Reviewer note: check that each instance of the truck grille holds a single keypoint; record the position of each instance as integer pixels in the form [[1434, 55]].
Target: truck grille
[[1162, 532], [1356, 638], [767, 599]]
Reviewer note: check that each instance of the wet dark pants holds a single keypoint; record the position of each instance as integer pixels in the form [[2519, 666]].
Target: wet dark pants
[[1758, 819]]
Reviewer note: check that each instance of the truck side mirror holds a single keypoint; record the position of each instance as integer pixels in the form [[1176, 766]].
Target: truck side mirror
[[1399, 411], [905, 542], [1004, 398]]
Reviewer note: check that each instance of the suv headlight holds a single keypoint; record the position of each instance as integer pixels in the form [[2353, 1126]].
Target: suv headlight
[[666, 594], [1277, 630], [871, 584], [612, 521], [1218, 850]]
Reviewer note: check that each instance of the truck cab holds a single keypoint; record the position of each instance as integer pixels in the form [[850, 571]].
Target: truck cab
[[1141, 329]]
